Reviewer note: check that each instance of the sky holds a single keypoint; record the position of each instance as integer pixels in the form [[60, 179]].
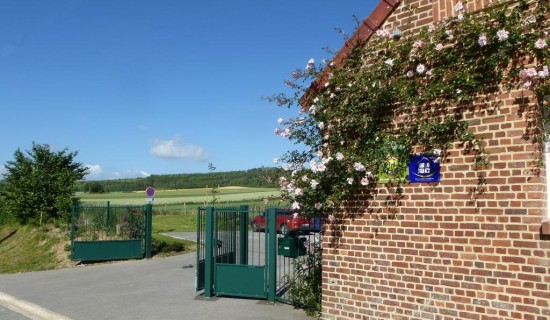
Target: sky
[[158, 87]]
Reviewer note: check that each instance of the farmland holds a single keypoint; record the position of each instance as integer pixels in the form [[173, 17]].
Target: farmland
[[186, 200]]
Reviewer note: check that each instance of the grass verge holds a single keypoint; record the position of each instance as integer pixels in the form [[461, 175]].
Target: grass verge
[[26, 248]]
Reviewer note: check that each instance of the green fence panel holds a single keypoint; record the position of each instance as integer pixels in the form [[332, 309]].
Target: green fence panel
[[110, 232], [107, 250]]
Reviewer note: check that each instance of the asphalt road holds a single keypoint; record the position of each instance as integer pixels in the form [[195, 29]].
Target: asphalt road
[[160, 288]]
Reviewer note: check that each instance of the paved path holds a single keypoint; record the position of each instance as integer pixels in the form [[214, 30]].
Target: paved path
[[160, 288]]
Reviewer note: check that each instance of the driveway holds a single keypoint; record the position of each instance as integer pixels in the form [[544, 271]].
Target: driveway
[[160, 288]]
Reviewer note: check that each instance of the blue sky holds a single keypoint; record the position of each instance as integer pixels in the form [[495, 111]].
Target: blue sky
[[158, 87]]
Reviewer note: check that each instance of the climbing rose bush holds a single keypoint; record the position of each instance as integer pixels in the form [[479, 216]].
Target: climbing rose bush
[[401, 93]]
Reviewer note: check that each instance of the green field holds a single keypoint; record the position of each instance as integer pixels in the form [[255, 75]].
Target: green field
[[186, 200]]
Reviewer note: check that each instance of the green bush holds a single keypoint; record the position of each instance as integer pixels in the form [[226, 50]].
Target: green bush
[[166, 245], [305, 286]]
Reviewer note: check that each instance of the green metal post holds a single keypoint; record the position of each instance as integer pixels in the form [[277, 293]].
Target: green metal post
[[243, 234], [108, 218], [271, 253], [148, 229], [73, 221], [208, 266]]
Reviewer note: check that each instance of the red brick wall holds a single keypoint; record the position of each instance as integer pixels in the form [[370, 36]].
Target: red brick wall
[[458, 249]]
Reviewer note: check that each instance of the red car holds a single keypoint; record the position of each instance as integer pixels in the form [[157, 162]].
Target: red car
[[286, 222]]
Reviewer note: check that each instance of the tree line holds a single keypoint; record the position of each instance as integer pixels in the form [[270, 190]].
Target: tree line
[[39, 184], [258, 177]]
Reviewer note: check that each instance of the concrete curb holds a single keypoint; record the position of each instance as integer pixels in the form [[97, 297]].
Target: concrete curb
[[28, 309]]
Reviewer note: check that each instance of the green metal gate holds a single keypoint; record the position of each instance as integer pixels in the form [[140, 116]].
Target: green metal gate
[[222, 260], [110, 232], [234, 261]]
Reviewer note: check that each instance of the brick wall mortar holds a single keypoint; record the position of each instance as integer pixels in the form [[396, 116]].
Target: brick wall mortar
[[447, 251]]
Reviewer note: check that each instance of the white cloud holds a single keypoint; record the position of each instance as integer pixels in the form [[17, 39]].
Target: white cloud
[[128, 174], [144, 174], [94, 169], [97, 173], [176, 149]]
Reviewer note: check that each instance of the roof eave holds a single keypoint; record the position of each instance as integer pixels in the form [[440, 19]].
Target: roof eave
[[365, 30]]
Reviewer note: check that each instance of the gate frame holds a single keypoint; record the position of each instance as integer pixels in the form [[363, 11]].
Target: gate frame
[[270, 263]]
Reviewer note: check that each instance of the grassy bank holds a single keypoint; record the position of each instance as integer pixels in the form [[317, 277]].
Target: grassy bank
[[27, 248]]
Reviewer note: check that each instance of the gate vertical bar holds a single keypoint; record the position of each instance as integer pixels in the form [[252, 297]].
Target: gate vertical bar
[[243, 234], [73, 229], [271, 252], [208, 267], [148, 229]]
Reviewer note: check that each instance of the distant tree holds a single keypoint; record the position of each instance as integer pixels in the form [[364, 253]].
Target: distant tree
[[95, 187], [214, 191], [39, 184]]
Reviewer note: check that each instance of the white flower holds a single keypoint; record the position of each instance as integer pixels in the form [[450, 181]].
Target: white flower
[[438, 47], [321, 125], [314, 184], [290, 187], [389, 62], [429, 73], [530, 19], [349, 180], [318, 206], [295, 205], [317, 167], [276, 160], [305, 179], [310, 64], [331, 218], [528, 73], [339, 156], [540, 44], [298, 191], [431, 27], [313, 109], [359, 166], [420, 68], [410, 74], [460, 16], [280, 120], [459, 7], [418, 44], [365, 181], [502, 35], [316, 100], [383, 33], [326, 84], [458, 91], [527, 84], [482, 40], [332, 95], [295, 215], [544, 73]]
